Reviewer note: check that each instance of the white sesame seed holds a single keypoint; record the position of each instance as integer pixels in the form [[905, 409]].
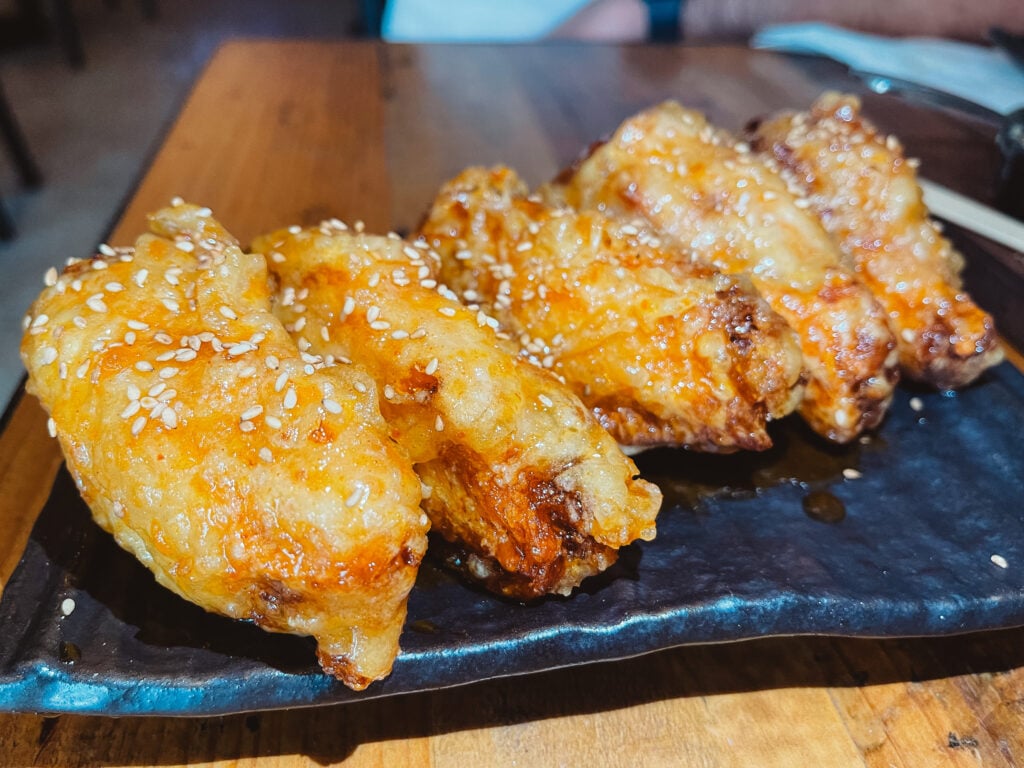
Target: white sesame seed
[[545, 401], [325, 333], [251, 413], [113, 286], [246, 426], [439, 424], [95, 303], [227, 312], [272, 362], [447, 311], [51, 427], [184, 245], [380, 325], [282, 379], [169, 418], [916, 404], [290, 398], [167, 395], [138, 425], [372, 313], [168, 372], [851, 474], [106, 250], [154, 391], [163, 338], [50, 278], [294, 229], [273, 422], [360, 387], [185, 355], [163, 357], [176, 202], [240, 348], [374, 280], [277, 257], [129, 337], [67, 606], [349, 306], [171, 304], [137, 325], [1000, 561], [353, 498], [524, 246], [389, 392], [266, 455], [431, 367], [331, 405], [82, 370], [204, 213]]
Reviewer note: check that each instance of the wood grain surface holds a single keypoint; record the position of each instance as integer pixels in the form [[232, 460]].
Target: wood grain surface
[[291, 132]]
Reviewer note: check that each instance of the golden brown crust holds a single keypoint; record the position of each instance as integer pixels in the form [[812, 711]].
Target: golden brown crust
[[253, 482], [699, 185], [662, 350], [485, 428], [867, 196]]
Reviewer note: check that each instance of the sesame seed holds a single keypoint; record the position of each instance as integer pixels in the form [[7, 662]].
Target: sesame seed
[[372, 313], [47, 355], [429, 284], [524, 246], [380, 325], [155, 390], [419, 333], [168, 372], [246, 426], [447, 311], [545, 401], [273, 422], [133, 392], [185, 245], [266, 455], [290, 398], [331, 405], [185, 355], [163, 338], [82, 370], [169, 417], [374, 280], [167, 395], [247, 372], [227, 312], [95, 303], [282, 379], [349, 306], [439, 424], [106, 250], [171, 304], [389, 392], [251, 413], [67, 606], [1000, 561], [325, 333], [50, 278], [916, 404], [129, 337], [851, 474], [240, 348], [353, 498], [277, 257], [399, 334], [360, 387], [176, 202], [137, 325], [431, 367], [204, 213], [138, 425], [51, 427], [163, 357], [294, 229], [272, 362]]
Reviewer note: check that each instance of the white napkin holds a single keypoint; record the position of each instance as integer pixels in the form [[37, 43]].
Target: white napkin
[[984, 76]]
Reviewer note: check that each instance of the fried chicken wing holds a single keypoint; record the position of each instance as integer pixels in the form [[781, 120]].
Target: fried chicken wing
[[867, 196], [662, 350], [532, 494], [695, 183], [250, 481]]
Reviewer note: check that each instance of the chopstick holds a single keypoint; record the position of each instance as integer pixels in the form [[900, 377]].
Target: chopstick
[[964, 212]]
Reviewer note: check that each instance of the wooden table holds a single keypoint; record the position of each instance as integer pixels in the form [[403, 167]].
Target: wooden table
[[292, 132]]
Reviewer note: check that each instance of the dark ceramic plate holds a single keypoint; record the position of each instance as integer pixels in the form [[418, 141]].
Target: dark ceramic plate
[[931, 508], [738, 555]]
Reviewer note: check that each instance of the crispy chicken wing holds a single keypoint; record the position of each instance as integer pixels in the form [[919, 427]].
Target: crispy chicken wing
[[530, 491], [866, 193], [698, 185], [663, 351], [252, 482]]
